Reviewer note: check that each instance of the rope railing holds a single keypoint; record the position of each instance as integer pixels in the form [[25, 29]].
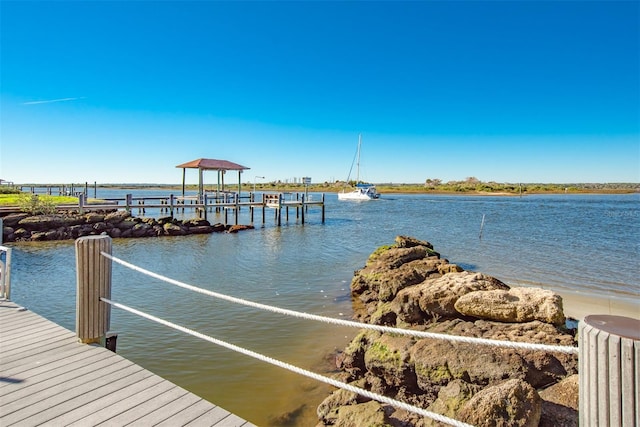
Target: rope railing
[[349, 323], [606, 343], [292, 368]]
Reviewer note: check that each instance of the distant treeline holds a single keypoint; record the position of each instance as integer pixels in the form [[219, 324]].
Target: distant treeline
[[469, 185]]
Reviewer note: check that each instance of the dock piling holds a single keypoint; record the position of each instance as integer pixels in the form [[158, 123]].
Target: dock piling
[[93, 272]]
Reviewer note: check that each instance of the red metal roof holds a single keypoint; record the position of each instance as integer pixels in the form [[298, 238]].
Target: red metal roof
[[212, 164]]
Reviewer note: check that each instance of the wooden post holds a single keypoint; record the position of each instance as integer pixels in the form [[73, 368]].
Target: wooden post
[[93, 272], [323, 208], [5, 273], [609, 371], [264, 204], [205, 201], [81, 203], [302, 210], [128, 201], [252, 198], [171, 205], [236, 198]]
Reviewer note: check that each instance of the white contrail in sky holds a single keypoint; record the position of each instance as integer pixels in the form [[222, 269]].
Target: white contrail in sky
[[49, 101]]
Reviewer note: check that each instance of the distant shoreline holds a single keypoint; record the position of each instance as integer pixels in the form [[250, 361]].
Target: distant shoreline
[[463, 188]]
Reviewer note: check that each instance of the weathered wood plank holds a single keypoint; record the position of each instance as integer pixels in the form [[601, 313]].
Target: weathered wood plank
[[26, 343], [48, 378], [43, 401], [169, 409], [194, 412], [61, 383], [115, 415], [69, 400], [38, 372], [108, 394], [48, 353]]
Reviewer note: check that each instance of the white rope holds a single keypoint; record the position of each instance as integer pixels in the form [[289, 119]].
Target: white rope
[[313, 375], [341, 322]]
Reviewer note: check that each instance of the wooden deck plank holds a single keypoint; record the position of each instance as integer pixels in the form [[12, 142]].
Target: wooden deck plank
[[213, 418], [47, 395], [62, 383], [27, 320], [48, 378], [28, 347], [74, 399], [169, 409], [36, 372], [108, 416], [194, 412], [32, 330], [147, 407], [25, 324], [49, 353], [109, 395]]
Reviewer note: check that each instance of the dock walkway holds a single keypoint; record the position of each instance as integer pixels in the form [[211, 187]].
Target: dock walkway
[[48, 378]]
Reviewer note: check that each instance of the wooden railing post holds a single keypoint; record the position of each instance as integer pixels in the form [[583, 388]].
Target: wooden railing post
[[81, 203], [93, 317], [609, 371], [5, 273]]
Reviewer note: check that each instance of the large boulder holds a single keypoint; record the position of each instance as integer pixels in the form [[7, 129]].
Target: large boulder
[[451, 398], [513, 305], [560, 404], [407, 285], [437, 297], [389, 269], [328, 410], [388, 358], [12, 220], [512, 403], [117, 217], [48, 222], [366, 414]]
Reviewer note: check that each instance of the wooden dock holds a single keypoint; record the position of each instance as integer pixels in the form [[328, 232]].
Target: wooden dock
[[48, 378]]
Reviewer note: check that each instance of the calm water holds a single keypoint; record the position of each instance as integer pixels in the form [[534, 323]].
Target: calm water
[[588, 244]]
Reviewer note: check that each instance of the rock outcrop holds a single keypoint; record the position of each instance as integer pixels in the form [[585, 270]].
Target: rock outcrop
[[408, 285], [119, 223]]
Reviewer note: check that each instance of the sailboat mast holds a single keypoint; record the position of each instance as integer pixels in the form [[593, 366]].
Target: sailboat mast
[[358, 160]]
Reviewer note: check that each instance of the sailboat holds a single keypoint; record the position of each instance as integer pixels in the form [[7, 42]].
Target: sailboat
[[361, 191]]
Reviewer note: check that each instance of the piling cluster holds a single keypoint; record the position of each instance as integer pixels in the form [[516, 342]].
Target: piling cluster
[[117, 224]]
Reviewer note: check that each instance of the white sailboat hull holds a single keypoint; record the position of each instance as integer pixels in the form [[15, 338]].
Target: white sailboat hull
[[368, 193], [362, 191]]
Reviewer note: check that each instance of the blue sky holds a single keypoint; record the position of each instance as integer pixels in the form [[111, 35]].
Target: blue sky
[[507, 91]]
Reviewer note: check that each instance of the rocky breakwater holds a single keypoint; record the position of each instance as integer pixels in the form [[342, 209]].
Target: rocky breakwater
[[408, 285], [25, 227]]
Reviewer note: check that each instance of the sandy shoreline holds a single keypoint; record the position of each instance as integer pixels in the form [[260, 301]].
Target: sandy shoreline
[[578, 305]]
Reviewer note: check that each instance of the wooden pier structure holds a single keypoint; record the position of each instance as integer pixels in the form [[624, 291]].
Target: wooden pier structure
[[218, 201], [48, 378]]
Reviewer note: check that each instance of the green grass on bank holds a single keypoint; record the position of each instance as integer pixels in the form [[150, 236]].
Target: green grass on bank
[[19, 199]]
